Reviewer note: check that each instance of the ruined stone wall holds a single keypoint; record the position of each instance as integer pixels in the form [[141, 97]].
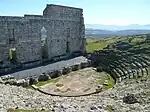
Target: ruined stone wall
[[28, 51], [21, 34], [10, 28], [64, 30], [56, 38], [62, 12], [4, 49], [68, 24], [4, 52]]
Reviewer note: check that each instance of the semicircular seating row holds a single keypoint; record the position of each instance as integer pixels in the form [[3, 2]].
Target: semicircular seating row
[[122, 65]]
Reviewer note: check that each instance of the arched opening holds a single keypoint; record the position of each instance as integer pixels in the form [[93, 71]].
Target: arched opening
[[44, 47], [12, 55]]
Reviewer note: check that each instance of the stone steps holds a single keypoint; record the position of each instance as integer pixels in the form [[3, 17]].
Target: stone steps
[[123, 64]]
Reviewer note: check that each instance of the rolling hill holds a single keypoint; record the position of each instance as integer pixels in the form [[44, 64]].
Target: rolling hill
[[112, 30]]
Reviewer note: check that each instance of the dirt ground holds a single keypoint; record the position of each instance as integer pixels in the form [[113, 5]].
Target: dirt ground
[[79, 82]]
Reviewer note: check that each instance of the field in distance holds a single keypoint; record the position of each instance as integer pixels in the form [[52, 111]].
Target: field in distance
[[104, 42]]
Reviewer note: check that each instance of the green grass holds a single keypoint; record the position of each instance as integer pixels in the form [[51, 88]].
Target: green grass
[[137, 40], [51, 81], [109, 108], [95, 46], [104, 76], [100, 43], [22, 110]]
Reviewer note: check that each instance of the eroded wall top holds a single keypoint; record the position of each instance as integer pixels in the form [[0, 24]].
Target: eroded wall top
[[62, 12]]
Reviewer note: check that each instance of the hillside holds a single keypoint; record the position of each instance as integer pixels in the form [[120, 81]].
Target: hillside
[[117, 27], [109, 33], [102, 43]]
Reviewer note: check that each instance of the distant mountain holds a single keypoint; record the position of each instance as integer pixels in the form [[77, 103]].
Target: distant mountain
[[116, 27], [108, 33]]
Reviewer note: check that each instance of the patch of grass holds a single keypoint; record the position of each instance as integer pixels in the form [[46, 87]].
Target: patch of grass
[[51, 81], [104, 76], [21, 110], [137, 40], [109, 108], [95, 46], [100, 43], [111, 83]]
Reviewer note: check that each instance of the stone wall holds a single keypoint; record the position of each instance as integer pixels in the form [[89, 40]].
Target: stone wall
[[4, 52], [68, 24], [28, 51], [63, 13], [64, 33]]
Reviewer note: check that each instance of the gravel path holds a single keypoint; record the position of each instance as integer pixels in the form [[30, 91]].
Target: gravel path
[[50, 67], [110, 100]]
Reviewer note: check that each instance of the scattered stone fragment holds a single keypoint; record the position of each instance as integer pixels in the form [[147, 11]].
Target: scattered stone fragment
[[7, 77], [84, 65], [22, 82], [33, 80], [66, 70], [93, 107], [11, 82], [99, 88], [75, 67], [130, 99], [59, 85], [43, 77], [55, 74], [1, 81], [99, 69]]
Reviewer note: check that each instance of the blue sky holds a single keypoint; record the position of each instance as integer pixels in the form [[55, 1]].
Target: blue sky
[[109, 12]]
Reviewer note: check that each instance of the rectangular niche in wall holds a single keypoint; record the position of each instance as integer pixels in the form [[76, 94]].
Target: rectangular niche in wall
[[11, 36], [67, 47]]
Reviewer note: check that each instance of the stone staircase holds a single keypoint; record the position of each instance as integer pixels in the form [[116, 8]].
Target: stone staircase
[[123, 64]]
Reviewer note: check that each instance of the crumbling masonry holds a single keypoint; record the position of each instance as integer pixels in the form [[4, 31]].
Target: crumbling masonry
[[28, 40]]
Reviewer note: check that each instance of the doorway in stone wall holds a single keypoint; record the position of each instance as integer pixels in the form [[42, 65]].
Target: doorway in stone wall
[[68, 47], [44, 47], [12, 55], [68, 43]]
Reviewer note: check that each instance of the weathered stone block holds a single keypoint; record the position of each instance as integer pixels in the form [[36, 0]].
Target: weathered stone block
[[43, 77], [22, 82], [7, 77], [130, 99], [66, 70], [11, 82], [33, 80], [55, 74], [84, 64], [99, 69], [75, 67]]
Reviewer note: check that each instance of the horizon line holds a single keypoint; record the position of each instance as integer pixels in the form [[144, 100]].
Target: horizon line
[[115, 24]]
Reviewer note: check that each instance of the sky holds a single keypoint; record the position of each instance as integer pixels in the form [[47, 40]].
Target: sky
[[107, 12]]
